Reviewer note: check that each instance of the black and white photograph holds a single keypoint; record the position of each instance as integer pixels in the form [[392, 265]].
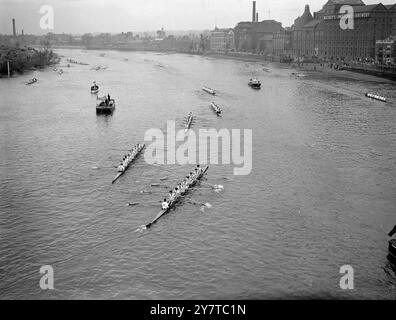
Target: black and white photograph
[[188, 150]]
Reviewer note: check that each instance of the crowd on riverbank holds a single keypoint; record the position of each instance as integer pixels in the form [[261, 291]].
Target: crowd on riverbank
[[319, 68]]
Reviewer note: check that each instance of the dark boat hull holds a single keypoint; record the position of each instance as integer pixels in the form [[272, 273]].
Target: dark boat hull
[[105, 110], [392, 248], [255, 86]]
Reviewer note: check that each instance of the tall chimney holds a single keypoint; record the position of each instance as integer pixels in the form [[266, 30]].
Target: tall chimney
[[13, 28], [257, 17], [254, 12]]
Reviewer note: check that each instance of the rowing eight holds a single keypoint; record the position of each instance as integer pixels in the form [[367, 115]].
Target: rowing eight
[[119, 174], [216, 108], [209, 90], [176, 200], [189, 121]]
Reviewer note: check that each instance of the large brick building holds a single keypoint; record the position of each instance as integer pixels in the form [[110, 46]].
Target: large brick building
[[371, 23], [307, 34], [221, 40], [385, 51], [320, 35], [282, 43], [256, 36]]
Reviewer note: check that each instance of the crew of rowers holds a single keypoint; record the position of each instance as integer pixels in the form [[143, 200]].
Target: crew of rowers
[[182, 187], [128, 158]]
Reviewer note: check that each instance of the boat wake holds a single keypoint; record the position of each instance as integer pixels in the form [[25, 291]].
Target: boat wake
[[206, 206], [218, 188], [141, 229]]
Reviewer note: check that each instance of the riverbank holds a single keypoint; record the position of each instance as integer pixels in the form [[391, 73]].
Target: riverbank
[[309, 68], [314, 69], [15, 60]]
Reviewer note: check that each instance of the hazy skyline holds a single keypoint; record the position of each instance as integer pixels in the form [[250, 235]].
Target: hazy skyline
[[90, 16]]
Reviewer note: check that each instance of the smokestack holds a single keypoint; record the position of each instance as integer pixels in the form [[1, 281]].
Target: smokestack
[[254, 12], [13, 28], [257, 16]]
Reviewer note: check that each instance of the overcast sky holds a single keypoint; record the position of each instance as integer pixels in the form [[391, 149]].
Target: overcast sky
[[82, 16]]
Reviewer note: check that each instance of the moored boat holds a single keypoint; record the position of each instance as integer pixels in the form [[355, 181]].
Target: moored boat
[[139, 149], [298, 75], [177, 199], [31, 81], [375, 97], [254, 83], [209, 90], [216, 108]]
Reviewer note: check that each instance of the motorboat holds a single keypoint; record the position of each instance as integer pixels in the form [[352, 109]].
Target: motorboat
[[255, 83], [105, 105], [94, 88]]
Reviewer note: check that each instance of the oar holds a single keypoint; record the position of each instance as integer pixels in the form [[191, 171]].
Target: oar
[[207, 184], [121, 150], [195, 203], [97, 168]]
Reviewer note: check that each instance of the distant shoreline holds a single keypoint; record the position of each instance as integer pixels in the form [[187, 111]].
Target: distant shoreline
[[307, 67]]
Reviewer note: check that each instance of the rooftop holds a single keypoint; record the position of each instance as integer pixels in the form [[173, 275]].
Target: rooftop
[[312, 23]]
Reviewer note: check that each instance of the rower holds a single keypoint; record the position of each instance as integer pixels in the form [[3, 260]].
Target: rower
[[182, 186], [165, 205]]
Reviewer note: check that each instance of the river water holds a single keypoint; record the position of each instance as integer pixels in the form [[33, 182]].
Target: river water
[[321, 193]]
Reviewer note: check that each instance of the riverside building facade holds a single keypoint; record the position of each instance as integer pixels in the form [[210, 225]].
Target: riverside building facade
[[221, 40], [320, 35]]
